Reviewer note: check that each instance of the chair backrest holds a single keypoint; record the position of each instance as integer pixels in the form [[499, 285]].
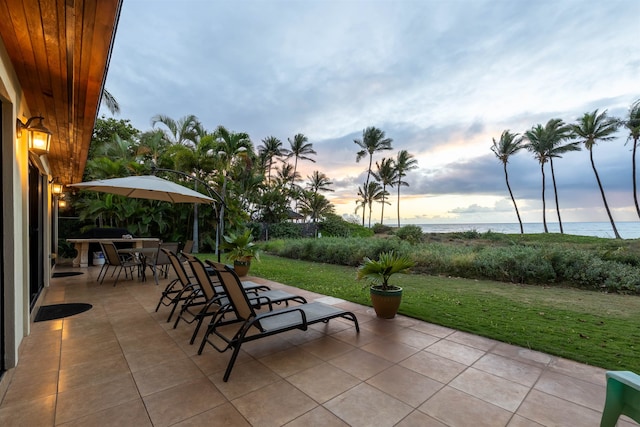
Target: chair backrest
[[110, 252], [201, 277], [183, 277], [235, 292], [188, 247], [162, 258]]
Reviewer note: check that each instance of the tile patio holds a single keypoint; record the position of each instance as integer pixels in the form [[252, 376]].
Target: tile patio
[[121, 363]]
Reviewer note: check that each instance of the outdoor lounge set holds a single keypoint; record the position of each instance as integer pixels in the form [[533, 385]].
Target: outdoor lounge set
[[238, 311]]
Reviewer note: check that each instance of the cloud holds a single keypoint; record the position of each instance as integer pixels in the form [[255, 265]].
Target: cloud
[[440, 78]]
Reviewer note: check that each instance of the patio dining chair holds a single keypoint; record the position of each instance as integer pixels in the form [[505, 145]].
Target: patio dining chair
[[119, 262], [255, 325], [160, 263], [216, 302]]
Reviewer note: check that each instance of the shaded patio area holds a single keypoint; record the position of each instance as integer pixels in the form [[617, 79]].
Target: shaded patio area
[[121, 363]]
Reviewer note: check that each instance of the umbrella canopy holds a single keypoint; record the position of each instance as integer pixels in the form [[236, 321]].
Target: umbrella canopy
[[145, 187]]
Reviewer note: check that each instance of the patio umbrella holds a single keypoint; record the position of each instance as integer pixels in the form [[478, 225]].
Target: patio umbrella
[[145, 187]]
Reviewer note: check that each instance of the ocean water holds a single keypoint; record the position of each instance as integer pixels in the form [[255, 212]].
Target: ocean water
[[627, 230]]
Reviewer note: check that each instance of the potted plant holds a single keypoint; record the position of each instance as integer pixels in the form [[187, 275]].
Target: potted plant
[[385, 298], [241, 249]]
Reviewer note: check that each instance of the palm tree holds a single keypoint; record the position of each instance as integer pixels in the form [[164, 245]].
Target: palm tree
[[300, 149], [557, 132], [508, 145], [315, 206], [539, 146], [385, 174], [589, 129], [373, 140], [183, 131], [632, 122], [271, 150], [110, 102], [369, 194], [405, 162], [318, 181]]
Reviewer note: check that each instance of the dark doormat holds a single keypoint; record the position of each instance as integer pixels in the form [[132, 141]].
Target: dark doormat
[[58, 311], [67, 274]]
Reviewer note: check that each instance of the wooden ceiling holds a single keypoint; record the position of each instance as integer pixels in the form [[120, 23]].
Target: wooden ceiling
[[60, 50]]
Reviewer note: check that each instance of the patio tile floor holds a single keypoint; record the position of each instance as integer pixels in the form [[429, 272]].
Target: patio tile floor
[[121, 363]]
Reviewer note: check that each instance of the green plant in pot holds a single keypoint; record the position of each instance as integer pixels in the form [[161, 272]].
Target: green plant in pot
[[385, 298], [241, 250]]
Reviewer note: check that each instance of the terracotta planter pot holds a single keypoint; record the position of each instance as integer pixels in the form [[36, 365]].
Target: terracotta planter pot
[[386, 303], [241, 267]]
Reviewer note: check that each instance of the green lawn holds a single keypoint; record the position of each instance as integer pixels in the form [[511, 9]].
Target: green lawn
[[590, 327]]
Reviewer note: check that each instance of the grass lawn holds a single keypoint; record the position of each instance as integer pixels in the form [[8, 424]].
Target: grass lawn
[[590, 327]]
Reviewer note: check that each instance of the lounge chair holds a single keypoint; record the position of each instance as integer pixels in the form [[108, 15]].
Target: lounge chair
[[259, 325], [180, 289], [194, 310]]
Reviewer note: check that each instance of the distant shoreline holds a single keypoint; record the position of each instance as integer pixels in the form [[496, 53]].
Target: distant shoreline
[[628, 230]]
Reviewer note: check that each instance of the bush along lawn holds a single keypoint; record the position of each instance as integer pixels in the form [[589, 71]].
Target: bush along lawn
[[587, 326]]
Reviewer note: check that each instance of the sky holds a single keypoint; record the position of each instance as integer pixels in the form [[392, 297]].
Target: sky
[[441, 78]]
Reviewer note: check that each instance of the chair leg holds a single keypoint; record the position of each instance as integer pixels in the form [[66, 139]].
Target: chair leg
[[232, 361]]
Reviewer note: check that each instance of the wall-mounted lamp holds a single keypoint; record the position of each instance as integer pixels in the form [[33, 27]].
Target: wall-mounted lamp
[[56, 188], [38, 135], [62, 203]]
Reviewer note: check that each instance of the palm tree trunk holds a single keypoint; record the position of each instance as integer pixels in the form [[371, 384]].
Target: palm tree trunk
[[506, 177], [604, 199], [555, 192], [382, 214], [633, 168], [398, 203], [544, 205]]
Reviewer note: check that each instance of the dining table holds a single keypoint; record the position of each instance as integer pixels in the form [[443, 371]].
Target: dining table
[[82, 246]]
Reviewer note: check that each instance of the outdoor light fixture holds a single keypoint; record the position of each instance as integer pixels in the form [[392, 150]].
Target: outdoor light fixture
[[38, 135], [56, 188], [62, 203]]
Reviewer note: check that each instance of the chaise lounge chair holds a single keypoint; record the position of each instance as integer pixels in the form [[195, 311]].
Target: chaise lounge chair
[[214, 302], [259, 325]]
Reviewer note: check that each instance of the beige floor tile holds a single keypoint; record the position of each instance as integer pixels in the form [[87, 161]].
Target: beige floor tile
[[290, 361], [166, 375], [389, 350], [413, 338], [457, 352], [406, 385], [143, 359], [211, 361], [245, 379], [323, 382], [490, 388], [433, 366], [92, 373], [456, 408], [361, 364], [419, 419], [475, 341], [317, 417], [578, 370], [552, 411], [94, 353], [518, 421], [223, 415], [522, 354], [32, 413], [274, 405], [83, 401], [431, 329], [519, 372], [128, 414], [572, 389], [184, 401], [365, 405], [327, 347], [30, 387], [359, 339]]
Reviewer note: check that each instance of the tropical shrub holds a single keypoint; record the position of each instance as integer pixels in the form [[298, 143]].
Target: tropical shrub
[[334, 226], [410, 233]]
